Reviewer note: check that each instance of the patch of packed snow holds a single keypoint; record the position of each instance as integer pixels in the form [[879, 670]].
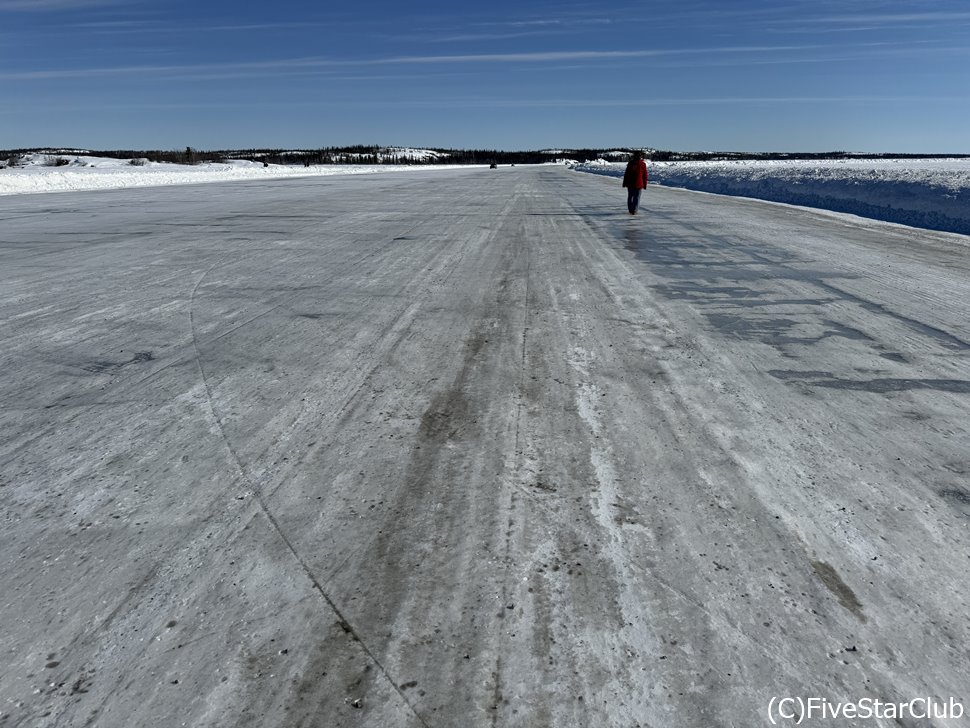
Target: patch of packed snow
[[926, 193], [97, 173]]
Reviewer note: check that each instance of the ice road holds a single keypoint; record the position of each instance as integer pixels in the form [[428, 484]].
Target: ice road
[[475, 448]]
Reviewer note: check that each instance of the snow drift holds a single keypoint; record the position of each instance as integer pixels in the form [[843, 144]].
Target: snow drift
[[932, 194], [36, 173]]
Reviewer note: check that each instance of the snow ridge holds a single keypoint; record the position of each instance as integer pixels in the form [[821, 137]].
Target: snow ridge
[[931, 194], [34, 173]]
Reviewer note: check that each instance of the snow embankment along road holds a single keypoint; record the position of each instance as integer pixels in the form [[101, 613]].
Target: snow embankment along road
[[473, 449], [931, 194], [99, 173]]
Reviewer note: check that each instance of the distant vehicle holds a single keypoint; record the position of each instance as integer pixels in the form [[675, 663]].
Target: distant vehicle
[[493, 166]]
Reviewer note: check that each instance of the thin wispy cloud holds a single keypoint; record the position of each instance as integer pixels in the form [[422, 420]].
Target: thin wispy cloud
[[119, 27], [112, 24], [544, 56], [51, 5], [474, 37], [881, 19], [510, 29], [144, 70], [554, 22], [317, 62], [163, 28], [261, 27], [451, 102], [699, 101]]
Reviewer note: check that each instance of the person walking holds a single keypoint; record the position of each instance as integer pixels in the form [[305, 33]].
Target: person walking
[[635, 181]]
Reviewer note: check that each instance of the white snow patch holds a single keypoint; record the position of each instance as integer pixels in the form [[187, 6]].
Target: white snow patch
[[98, 173]]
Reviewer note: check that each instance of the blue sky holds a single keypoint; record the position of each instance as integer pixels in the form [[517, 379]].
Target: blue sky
[[756, 75]]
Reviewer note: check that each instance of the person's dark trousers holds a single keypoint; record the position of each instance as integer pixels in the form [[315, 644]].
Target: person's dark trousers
[[633, 199]]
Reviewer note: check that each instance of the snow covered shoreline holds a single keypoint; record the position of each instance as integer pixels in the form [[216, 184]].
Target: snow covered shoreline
[[932, 194], [98, 173]]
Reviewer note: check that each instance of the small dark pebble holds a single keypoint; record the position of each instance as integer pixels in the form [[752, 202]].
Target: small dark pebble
[[52, 664]]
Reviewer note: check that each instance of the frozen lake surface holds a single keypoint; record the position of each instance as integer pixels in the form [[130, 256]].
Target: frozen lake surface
[[474, 448]]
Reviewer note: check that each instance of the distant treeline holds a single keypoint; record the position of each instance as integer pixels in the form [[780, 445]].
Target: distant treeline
[[373, 154], [356, 154], [395, 155]]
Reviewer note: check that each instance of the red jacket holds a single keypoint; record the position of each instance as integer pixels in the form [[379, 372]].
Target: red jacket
[[636, 175]]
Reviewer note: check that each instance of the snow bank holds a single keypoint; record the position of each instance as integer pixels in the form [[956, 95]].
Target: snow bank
[[97, 173], [933, 194]]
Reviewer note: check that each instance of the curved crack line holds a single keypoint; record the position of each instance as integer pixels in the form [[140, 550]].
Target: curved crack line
[[257, 493]]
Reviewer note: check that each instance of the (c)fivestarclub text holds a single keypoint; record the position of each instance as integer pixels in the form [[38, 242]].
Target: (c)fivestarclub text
[[797, 710]]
